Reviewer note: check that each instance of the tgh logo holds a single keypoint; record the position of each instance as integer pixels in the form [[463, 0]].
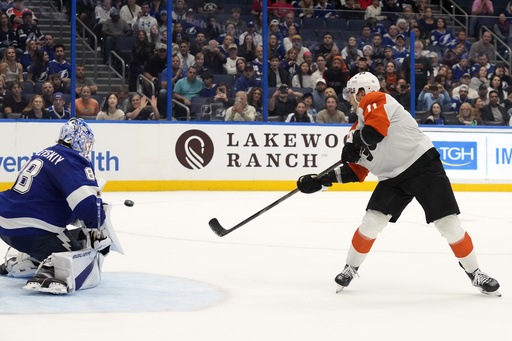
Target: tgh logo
[[194, 149]]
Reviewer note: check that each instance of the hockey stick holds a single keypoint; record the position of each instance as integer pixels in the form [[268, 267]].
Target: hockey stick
[[221, 232]]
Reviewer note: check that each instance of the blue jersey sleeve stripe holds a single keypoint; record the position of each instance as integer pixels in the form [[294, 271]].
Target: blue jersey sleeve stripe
[[26, 222], [80, 194]]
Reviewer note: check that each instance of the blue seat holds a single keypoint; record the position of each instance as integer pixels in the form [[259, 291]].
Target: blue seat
[[336, 24], [312, 23], [356, 24], [229, 79]]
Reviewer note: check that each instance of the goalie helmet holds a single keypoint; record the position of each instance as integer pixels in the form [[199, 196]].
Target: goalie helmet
[[78, 136], [364, 80]]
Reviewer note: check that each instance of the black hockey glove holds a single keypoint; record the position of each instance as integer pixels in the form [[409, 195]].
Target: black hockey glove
[[352, 150], [310, 183]]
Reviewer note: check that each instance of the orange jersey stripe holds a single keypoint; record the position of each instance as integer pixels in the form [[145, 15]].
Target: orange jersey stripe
[[361, 243], [462, 248], [374, 113]]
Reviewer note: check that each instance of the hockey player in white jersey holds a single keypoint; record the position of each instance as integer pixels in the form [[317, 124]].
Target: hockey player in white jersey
[[386, 140], [55, 188]]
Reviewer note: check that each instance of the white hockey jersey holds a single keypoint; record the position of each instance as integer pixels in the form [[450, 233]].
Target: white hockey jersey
[[403, 141]]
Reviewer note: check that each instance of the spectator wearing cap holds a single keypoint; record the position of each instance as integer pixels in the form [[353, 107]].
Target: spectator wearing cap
[[297, 43], [28, 29], [336, 76], [58, 110], [399, 50], [462, 97], [251, 31], [113, 28], [432, 93], [209, 87], [277, 75], [282, 102], [461, 68], [248, 80], [289, 21], [191, 25], [319, 94], [494, 112], [230, 62], [274, 29], [379, 66], [465, 80], [325, 10], [157, 63]]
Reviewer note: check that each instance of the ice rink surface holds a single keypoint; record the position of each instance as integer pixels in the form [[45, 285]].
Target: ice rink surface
[[272, 279]]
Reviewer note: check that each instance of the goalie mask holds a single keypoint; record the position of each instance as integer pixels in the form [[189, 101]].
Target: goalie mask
[[77, 134], [364, 80]]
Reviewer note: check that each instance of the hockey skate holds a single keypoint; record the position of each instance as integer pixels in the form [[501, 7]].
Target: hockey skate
[[44, 280], [43, 283], [345, 277], [486, 284], [21, 265]]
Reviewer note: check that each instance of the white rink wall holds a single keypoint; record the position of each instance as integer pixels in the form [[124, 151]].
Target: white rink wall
[[129, 155]]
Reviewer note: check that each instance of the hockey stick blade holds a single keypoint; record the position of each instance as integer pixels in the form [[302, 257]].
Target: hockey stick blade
[[221, 232], [217, 228]]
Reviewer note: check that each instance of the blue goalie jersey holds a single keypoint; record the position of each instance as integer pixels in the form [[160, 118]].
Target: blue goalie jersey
[[56, 186]]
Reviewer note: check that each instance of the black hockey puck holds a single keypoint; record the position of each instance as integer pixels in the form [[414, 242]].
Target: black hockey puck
[[128, 203]]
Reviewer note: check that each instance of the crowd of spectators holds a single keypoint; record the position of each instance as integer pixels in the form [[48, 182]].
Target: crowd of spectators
[[313, 48], [316, 45]]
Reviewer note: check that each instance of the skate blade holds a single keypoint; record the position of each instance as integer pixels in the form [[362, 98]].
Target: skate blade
[[494, 293], [339, 288]]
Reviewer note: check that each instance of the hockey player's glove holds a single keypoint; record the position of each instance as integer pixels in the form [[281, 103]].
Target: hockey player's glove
[[352, 150], [310, 183]]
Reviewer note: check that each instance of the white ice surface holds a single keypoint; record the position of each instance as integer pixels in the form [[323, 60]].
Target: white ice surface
[[272, 279]]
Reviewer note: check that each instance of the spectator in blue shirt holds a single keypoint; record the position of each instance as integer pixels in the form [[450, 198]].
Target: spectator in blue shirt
[[248, 80]]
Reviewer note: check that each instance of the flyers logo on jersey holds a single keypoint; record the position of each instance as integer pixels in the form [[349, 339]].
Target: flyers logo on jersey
[[457, 155]]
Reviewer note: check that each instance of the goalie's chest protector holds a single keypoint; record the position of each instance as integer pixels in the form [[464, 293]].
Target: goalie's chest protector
[[403, 141]]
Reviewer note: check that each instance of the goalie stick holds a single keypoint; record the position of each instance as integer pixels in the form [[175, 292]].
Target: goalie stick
[[221, 232]]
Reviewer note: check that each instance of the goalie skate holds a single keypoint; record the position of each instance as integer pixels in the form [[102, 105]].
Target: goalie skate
[[45, 284]]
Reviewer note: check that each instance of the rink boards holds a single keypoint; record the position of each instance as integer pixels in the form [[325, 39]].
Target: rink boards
[[185, 156]]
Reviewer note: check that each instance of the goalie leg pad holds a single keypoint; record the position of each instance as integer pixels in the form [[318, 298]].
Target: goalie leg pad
[[79, 269]]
